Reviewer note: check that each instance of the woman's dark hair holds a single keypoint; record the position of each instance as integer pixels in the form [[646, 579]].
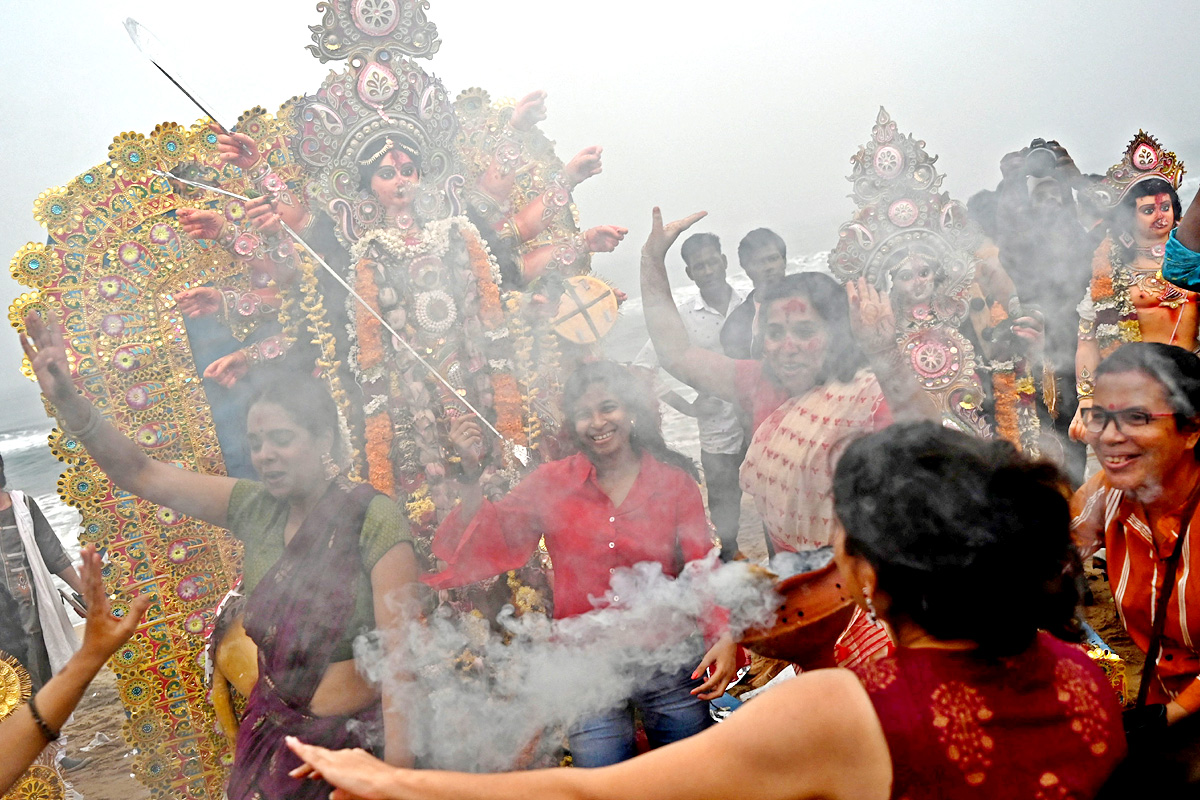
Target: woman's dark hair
[[1175, 369], [969, 539], [1121, 218], [3, 480], [636, 398], [305, 398], [843, 358]]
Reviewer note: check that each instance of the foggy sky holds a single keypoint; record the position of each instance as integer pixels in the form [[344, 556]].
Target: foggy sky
[[748, 110]]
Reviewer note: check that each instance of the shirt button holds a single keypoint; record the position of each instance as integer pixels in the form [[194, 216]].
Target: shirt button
[[611, 545], [612, 519], [611, 571]]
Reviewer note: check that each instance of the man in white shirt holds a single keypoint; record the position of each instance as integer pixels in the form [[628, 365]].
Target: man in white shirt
[[722, 442]]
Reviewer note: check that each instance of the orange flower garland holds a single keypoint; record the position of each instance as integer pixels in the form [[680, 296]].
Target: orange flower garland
[[378, 424], [507, 394]]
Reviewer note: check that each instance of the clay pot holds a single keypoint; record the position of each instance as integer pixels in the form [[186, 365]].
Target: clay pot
[[816, 610]]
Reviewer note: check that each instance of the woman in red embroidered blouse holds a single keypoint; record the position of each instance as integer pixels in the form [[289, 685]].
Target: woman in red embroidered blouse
[[625, 498], [976, 703]]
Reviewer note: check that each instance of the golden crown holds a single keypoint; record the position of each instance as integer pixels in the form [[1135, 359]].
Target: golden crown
[[1145, 158]]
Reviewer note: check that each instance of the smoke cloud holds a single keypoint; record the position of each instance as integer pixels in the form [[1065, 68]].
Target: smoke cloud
[[481, 699]]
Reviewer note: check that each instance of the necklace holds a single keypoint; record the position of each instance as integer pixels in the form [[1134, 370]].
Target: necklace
[[1155, 252]]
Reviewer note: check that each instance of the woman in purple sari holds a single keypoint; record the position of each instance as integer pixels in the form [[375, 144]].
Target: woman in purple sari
[[321, 556]]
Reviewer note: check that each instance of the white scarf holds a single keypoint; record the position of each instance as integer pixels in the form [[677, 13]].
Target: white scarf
[[56, 627]]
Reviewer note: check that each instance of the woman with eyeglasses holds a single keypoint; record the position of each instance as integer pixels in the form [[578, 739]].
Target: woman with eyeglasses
[[1144, 426]]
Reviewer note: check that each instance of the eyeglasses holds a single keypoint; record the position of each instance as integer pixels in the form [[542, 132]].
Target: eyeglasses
[[1097, 419]]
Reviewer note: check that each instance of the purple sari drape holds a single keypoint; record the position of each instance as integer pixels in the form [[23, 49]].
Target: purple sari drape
[[296, 615]]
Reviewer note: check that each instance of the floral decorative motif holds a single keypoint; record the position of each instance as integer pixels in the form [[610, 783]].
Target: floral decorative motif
[[36, 265], [958, 715], [130, 156], [57, 211], [1077, 691]]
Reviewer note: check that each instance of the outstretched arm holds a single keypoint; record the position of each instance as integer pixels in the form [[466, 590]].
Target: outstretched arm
[[817, 736], [703, 370], [205, 497], [21, 739]]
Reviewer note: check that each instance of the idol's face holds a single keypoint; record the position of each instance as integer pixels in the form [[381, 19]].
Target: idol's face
[[395, 182], [1153, 219], [913, 282], [795, 341]]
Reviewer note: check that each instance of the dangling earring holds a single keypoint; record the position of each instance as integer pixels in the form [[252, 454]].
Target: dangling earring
[[330, 466], [871, 615], [1126, 239]]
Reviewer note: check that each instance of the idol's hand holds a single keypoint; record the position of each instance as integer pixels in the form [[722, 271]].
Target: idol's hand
[[604, 238], [584, 165], [200, 223], [43, 344], [104, 633], [1030, 331], [871, 317], [530, 110], [261, 213], [235, 148], [722, 657], [355, 773], [663, 236], [467, 438], [199, 302], [228, 370]]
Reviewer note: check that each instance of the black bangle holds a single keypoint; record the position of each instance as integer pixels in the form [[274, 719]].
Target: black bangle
[[47, 734]]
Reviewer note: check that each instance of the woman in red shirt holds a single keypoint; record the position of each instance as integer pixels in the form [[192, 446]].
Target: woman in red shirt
[[625, 498]]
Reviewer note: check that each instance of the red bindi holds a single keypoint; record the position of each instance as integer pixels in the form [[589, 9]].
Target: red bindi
[[795, 305]]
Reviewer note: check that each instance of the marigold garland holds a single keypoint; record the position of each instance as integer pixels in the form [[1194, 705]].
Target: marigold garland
[[1116, 318], [377, 423]]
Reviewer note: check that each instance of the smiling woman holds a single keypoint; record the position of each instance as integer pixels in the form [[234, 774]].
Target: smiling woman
[[624, 498], [1144, 426]]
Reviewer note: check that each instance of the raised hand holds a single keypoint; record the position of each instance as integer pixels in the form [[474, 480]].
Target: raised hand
[[585, 164], [235, 148], [104, 633], [871, 317], [604, 238], [663, 236], [199, 302], [228, 370], [43, 344], [200, 223], [530, 110], [467, 438]]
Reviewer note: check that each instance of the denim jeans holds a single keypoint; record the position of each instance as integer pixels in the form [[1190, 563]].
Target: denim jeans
[[669, 712]]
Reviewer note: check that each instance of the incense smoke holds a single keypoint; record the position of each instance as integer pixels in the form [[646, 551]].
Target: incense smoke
[[478, 700]]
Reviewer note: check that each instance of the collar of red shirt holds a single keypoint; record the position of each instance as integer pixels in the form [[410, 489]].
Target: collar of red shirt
[[581, 470]]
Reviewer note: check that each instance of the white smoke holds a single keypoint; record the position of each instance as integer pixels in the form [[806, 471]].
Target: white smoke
[[478, 700]]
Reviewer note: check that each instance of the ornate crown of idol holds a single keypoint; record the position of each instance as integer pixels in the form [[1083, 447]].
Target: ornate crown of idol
[[902, 213], [381, 93], [1144, 158]]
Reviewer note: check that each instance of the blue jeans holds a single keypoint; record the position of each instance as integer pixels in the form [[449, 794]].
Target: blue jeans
[[669, 712]]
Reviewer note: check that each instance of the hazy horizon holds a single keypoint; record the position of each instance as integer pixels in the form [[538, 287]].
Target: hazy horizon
[[751, 112]]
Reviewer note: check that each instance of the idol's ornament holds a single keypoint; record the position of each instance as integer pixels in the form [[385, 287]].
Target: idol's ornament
[[425, 257], [911, 240], [1113, 280]]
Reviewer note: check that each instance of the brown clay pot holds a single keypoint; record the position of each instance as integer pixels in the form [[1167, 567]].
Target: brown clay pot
[[816, 610]]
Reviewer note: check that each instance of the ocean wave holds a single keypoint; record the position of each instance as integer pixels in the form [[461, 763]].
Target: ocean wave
[[17, 441]]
